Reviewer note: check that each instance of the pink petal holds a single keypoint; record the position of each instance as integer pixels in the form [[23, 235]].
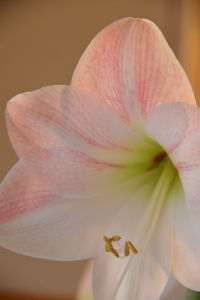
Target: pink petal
[[176, 127], [186, 263], [63, 174], [130, 66], [64, 117], [37, 220], [69, 139]]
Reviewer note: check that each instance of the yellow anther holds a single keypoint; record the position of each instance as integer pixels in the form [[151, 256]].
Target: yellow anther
[[109, 246], [107, 240], [116, 238], [128, 246], [113, 251], [126, 249], [131, 247]]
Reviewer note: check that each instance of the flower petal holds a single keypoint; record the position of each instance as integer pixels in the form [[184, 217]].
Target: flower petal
[[167, 124], [186, 262], [172, 289], [73, 174], [176, 127], [39, 222], [130, 66], [60, 130], [138, 278], [65, 117], [144, 275], [21, 192]]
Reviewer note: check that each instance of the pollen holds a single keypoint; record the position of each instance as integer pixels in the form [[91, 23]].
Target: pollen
[[117, 249]]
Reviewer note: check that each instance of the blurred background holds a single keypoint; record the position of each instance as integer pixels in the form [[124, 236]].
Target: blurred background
[[40, 44]]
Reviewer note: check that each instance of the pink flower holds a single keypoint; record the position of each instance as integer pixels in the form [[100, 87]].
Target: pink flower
[[109, 167]]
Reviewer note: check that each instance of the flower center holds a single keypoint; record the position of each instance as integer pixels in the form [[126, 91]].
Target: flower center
[[148, 155], [157, 159]]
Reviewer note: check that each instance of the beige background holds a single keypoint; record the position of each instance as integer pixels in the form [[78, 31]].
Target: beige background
[[40, 44]]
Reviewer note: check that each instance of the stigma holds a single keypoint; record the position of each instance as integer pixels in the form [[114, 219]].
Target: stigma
[[114, 246]]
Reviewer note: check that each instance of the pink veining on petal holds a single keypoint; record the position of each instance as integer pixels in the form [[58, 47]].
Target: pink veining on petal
[[130, 66], [49, 175], [101, 66], [16, 197], [65, 117], [167, 125]]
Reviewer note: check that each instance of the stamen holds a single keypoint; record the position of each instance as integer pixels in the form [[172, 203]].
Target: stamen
[[109, 246], [128, 246], [113, 251]]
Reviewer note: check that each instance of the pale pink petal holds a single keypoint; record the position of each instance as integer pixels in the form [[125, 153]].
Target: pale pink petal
[[176, 127], [130, 66], [167, 124], [186, 262], [65, 117], [57, 174], [21, 192], [29, 187], [74, 174], [39, 221], [60, 131]]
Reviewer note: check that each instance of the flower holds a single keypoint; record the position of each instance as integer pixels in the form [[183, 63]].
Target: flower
[[109, 167]]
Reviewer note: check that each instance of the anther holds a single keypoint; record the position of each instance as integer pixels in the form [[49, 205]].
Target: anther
[[116, 238], [128, 246], [113, 251], [109, 246]]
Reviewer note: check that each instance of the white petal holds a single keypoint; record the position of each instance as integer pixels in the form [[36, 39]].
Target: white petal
[[138, 278], [144, 275], [186, 261]]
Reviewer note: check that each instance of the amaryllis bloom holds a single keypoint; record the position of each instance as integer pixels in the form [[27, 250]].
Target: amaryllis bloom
[[109, 167]]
